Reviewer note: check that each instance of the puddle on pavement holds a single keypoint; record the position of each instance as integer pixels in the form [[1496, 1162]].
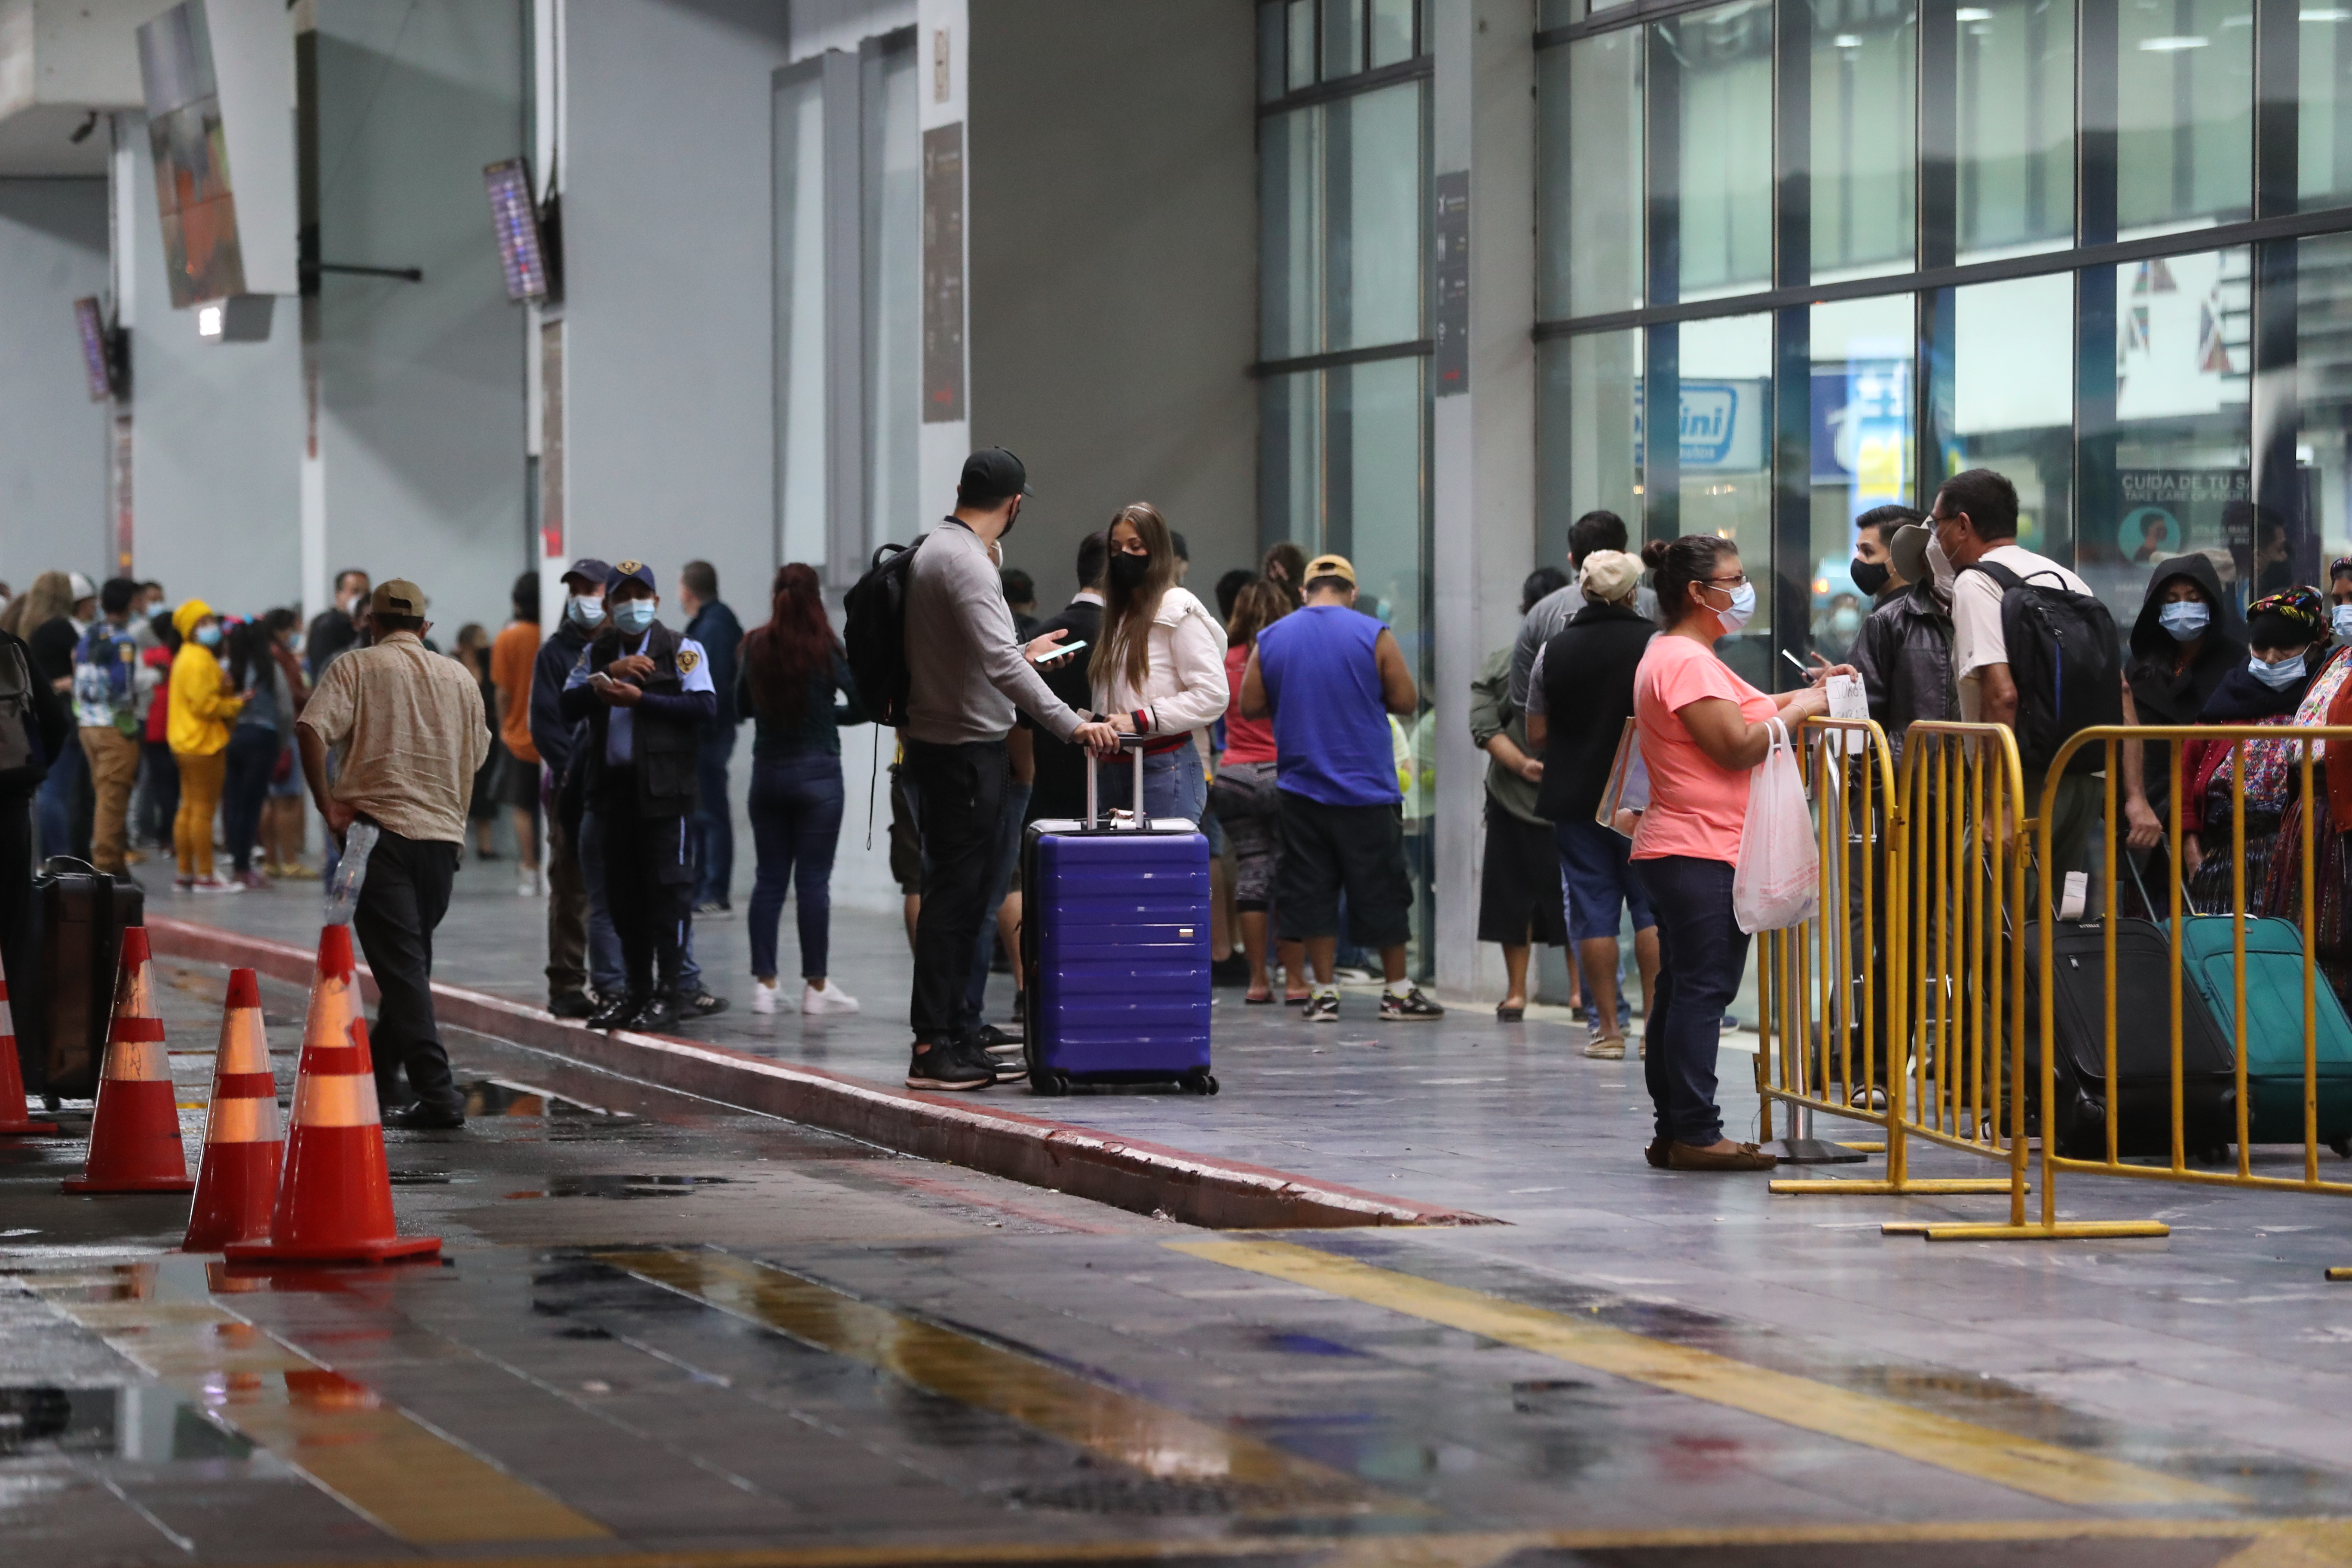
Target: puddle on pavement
[[139, 1422], [606, 1184], [502, 1097]]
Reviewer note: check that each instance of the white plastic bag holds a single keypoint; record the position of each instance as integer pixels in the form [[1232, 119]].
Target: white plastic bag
[[1778, 881]]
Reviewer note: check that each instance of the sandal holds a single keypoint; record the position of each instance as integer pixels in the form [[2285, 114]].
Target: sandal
[[1265, 1001], [1506, 1013]]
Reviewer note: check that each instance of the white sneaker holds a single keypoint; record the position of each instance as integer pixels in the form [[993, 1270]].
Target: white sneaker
[[527, 884], [763, 995], [826, 998]]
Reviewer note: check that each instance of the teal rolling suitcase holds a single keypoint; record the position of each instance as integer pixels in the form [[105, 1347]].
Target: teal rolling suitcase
[[2274, 1043]]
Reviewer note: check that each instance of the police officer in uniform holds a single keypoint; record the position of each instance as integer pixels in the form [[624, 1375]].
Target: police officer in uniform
[[645, 692]]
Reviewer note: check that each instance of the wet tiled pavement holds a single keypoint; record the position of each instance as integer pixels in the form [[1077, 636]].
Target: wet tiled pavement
[[665, 1325]]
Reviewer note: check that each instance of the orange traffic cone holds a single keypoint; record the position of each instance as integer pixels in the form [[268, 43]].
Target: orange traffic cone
[[15, 1120], [334, 1202], [238, 1182], [135, 1139]]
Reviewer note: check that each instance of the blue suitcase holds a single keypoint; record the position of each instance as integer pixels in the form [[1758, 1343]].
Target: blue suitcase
[[1114, 947]]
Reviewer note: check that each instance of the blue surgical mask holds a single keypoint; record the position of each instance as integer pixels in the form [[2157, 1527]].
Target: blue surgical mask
[[1743, 606], [586, 614], [635, 617], [2186, 620], [2277, 677], [209, 635], [2342, 616]]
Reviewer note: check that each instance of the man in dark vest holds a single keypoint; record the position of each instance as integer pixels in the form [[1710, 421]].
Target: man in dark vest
[[645, 692]]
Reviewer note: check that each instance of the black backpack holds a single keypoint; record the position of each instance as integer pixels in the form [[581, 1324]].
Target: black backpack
[[2067, 663], [22, 759], [873, 633]]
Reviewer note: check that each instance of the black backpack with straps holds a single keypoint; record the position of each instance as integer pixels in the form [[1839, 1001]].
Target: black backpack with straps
[[874, 634], [2067, 662]]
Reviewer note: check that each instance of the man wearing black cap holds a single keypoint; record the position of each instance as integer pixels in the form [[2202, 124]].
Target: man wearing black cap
[[580, 942], [967, 674], [645, 691]]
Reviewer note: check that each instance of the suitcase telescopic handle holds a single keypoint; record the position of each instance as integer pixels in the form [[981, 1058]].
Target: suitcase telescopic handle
[[1094, 816]]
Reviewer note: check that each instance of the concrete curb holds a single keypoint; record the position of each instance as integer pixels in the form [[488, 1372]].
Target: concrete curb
[[1143, 1178]]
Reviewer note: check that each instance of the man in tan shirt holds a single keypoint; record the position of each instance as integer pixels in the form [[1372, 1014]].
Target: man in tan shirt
[[411, 733]]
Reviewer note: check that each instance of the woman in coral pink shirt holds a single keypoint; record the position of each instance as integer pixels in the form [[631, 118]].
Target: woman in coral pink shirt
[[1703, 729]]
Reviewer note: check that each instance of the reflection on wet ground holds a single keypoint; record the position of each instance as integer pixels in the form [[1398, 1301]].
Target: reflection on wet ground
[[780, 1343]]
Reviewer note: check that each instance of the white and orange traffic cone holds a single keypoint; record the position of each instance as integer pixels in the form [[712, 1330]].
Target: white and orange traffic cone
[[236, 1185], [135, 1139], [16, 1118], [335, 1199]]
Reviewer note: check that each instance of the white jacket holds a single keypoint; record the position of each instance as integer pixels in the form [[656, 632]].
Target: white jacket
[[1184, 678]]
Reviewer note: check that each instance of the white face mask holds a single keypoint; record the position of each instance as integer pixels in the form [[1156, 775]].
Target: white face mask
[[586, 614], [2341, 618], [2277, 677], [1940, 570], [1743, 606]]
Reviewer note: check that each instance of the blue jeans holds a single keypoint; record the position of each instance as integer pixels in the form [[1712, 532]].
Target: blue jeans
[[55, 802], [1173, 784], [607, 973], [711, 832], [1701, 954], [1009, 831], [795, 807]]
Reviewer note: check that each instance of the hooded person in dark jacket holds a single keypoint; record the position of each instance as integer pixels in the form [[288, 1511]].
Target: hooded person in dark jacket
[[1904, 652], [2187, 640]]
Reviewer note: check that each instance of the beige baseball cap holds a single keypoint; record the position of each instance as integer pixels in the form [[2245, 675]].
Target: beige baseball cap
[[1330, 566], [399, 596]]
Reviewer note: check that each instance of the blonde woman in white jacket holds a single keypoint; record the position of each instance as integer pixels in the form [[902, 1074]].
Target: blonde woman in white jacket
[[1159, 668]]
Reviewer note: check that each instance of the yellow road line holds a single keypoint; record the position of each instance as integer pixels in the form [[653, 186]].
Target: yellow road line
[[2275, 1543], [417, 1483], [1262, 1479], [2022, 1464]]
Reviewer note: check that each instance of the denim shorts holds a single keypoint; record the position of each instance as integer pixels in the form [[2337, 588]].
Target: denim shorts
[[1596, 864]]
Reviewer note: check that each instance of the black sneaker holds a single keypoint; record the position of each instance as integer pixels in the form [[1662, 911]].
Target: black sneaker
[[420, 1117], [614, 1012], [949, 1066], [999, 1042], [701, 1005], [1411, 1008], [655, 1016], [571, 1005], [1323, 1007]]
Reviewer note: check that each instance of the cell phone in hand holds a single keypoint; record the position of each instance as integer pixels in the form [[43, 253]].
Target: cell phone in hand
[[1057, 651]]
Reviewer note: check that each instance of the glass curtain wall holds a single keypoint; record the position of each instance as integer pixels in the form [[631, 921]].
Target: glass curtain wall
[[1343, 192], [1863, 230]]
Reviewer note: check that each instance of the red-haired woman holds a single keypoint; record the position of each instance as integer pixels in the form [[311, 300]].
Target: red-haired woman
[[793, 672]]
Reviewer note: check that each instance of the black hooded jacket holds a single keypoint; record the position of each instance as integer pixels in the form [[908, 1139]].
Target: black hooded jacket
[[2162, 691]]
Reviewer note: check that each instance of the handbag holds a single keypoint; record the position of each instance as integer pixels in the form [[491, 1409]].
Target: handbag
[[1628, 788]]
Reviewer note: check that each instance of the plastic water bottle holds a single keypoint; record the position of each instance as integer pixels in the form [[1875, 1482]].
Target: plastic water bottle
[[343, 893]]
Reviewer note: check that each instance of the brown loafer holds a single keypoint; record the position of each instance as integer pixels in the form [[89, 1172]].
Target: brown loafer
[[1656, 1154], [1746, 1157]]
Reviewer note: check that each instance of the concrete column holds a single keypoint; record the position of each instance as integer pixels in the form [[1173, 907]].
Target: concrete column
[[1482, 453]]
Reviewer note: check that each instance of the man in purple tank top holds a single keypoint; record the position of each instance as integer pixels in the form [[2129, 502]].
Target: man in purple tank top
[[1330, 677]]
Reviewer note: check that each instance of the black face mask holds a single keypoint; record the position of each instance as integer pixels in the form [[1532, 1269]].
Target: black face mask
[[1130, 570], [1870, 576]]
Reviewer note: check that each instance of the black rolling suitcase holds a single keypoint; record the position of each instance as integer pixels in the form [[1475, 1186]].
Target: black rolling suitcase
[[2143, 1089], [79, 913]]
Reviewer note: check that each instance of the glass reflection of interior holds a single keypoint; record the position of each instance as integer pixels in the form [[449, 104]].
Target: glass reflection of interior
[[1861, 449], [1866, 57], [1721, 162], [2015, 105], [1725, 461], [2184, 117], [1590, 181]]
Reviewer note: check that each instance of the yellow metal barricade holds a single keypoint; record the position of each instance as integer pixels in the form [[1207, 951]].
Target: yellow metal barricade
[[1890, 1006], [2120, 891]]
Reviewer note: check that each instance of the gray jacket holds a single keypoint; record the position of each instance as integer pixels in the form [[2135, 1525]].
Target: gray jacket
[[1904, 656], [966, 671]]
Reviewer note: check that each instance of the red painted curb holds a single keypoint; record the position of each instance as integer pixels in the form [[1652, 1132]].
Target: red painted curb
[[1143, 1178]]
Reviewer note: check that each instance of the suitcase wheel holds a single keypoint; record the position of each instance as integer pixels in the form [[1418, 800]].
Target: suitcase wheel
[[1201, 1083], [2343, 1147], [1048, 1081]]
